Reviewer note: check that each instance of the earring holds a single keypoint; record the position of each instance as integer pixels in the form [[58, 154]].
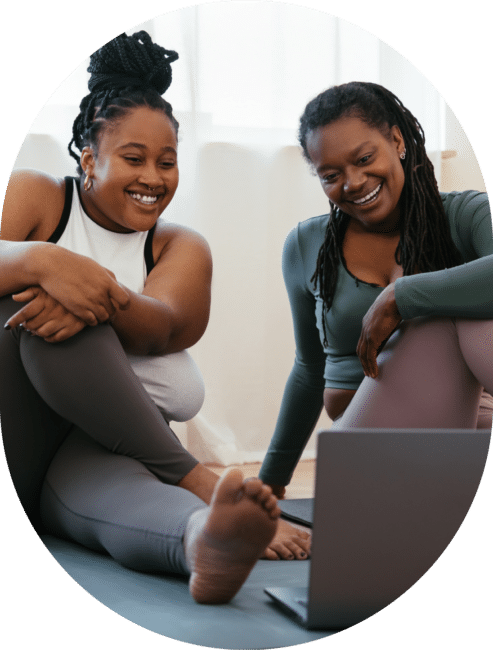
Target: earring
[[403, 155], [87, 183]]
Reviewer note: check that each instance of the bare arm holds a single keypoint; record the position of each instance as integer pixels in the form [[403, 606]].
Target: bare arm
[[170, 315], [32, 208], [173, 311]]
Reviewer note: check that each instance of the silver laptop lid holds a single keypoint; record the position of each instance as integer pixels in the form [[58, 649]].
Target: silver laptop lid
[[388, 502]]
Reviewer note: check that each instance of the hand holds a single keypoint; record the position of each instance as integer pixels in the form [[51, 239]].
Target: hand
[[82, 286], [379, 323], [289, 543], [43, 316]]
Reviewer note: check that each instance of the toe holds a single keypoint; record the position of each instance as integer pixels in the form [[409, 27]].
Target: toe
[[271, 503], [265, 494], [253, 487], [298, 552], [270, 554], [282, 550], [229, 487]]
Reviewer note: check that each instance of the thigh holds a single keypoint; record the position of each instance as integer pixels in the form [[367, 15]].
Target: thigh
[[88, 380], [114, 504], [423, 382]]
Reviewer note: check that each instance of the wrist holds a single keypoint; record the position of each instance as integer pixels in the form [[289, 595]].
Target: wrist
[[39, 262], [391, 300]]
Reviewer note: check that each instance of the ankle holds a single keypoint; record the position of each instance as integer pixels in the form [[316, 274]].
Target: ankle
[[200, 481]]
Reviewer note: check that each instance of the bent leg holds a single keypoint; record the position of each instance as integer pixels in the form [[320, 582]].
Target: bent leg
[[88, 381], [112, 503], [424, 381], [31, 430]]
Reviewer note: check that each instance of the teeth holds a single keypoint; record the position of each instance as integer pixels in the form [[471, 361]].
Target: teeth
[[148, 200], [369, 196]]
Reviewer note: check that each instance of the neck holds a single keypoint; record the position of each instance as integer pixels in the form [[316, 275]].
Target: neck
[[388, 229]]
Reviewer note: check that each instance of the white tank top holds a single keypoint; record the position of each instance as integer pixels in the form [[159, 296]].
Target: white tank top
[[122, 253], [168, 378]]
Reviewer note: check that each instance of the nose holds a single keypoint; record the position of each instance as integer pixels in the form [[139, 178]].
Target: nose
[[151, 175], [354, 180]]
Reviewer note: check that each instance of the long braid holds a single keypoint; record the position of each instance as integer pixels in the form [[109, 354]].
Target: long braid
[[425, 241], [127, 72]]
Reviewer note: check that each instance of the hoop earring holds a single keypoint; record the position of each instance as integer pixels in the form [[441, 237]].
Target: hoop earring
[[402, 155], [87, 183]]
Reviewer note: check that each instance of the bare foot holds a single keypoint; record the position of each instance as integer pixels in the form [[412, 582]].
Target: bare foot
[[224, 541], [289, 543]]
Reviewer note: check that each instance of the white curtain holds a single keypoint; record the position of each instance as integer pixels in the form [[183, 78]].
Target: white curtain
[[245, 73]]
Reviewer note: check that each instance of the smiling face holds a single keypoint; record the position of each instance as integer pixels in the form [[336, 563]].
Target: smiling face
[[360, 170], [134, 171]]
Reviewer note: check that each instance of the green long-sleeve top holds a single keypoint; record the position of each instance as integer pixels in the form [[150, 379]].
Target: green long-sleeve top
[[464, 291]]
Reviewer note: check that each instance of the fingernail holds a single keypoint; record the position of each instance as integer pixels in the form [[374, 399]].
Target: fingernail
[[302, 554], [7, 327]]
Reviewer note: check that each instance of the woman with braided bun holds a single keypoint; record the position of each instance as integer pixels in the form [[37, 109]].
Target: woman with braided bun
[[391, 293], [101, 298]]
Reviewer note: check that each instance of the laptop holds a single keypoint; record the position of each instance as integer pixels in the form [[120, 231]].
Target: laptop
[[387, 504]]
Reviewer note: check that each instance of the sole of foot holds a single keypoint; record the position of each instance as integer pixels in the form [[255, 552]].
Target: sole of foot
[[224, 541]]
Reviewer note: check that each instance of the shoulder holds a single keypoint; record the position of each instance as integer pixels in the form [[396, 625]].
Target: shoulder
[[302, 246], [33, 205], [177, 239], [309, 233], [307, 237]]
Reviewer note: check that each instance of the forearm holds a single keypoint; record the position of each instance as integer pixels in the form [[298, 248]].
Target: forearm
[[151, 327], [20, 265], [300, 409], [464, 291]]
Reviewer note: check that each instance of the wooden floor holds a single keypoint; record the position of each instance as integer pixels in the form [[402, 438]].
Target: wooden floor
[[301, 486]]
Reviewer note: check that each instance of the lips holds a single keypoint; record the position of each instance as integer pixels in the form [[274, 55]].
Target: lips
[[368, 198]]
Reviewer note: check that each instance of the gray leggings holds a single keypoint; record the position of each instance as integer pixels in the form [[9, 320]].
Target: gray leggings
[[91, 456], [431, 375]]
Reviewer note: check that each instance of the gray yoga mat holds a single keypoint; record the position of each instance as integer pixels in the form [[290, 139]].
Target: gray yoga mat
[[297, 510], [162, 603]]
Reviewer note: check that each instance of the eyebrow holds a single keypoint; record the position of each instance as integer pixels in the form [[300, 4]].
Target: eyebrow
[[354, 152], [139, 145]]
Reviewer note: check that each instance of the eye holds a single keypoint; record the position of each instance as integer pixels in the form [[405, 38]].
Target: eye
[[132, 159], [329, 178], [366, 158]]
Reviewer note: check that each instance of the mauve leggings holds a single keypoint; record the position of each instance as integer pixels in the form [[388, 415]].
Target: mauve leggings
[[431, 375], [91, 456]]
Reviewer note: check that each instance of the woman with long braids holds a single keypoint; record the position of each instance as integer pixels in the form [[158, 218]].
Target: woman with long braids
[[395, 265], [100, 298]]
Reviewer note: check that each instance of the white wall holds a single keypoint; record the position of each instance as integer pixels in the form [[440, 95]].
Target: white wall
[[462, 171]]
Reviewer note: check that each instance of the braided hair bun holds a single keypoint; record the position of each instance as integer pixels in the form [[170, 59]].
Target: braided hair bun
[[127, 72], [131, 61]]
